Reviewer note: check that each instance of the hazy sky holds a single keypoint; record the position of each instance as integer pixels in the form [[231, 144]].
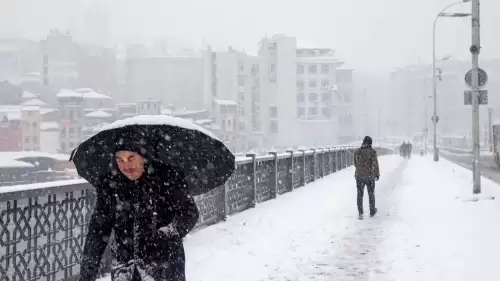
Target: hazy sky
[[368, 34]]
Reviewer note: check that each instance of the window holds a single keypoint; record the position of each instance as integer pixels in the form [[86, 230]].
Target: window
[[35, 140], [34, 125], [241, 97], [241, 111], [300, 84], [63, 147], [313, 69], [325, 68], [71, 145], [313, 111], [242, 126], [26, 140], [347, 97], [273, 127], [301, 97], [313, 97], [241, 66], [326, 112], [301, 111], [300, 69], [272, 68], [273, 111], [325, 83], [312, 83], [325, 97]]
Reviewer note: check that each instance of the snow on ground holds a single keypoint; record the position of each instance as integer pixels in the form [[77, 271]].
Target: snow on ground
[[285, 239], [434, 232], [424, 230]]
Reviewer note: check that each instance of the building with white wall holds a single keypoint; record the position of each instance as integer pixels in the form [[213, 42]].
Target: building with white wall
[[231, 78], [302, 88], [31, 120]]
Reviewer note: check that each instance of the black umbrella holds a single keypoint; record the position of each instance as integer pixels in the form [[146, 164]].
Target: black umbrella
[[205, 161]]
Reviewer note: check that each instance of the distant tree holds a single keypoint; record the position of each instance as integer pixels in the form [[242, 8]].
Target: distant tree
[[10, 94]]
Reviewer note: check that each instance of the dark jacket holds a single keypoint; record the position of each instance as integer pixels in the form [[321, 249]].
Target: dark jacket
[[366, 163], [150, 217]]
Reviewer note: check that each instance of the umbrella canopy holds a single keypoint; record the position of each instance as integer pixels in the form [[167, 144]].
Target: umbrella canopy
[[203, 159]]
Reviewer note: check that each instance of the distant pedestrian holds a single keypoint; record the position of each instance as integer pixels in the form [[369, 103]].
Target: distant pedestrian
[[367, 172]]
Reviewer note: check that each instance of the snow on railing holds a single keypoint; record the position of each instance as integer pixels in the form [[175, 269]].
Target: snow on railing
[[38, 218]]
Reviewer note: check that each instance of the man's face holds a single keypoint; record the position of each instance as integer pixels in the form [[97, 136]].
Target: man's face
[[130, 164]]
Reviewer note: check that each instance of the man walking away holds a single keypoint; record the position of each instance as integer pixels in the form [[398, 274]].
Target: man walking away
[[367, 172]]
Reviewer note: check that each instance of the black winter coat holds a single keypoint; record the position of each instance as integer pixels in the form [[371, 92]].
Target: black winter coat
[[150, 217]]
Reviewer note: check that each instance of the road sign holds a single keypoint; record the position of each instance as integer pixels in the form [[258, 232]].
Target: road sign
[[437, 119], [483, 97], [483, 78]]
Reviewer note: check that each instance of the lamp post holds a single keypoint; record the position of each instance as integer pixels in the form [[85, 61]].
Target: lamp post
[[434, 85]]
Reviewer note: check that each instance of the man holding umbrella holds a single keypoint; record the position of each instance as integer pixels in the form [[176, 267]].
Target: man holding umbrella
[[145, 171]]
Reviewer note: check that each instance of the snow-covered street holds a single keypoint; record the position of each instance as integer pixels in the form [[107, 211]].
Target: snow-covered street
[[425, 230]]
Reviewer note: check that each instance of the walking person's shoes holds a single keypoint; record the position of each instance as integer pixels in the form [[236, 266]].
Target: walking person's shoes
[[360, 216], [372, 213]]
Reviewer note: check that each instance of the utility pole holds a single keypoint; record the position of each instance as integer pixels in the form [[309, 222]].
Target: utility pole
[[490, 129], [475, 49]]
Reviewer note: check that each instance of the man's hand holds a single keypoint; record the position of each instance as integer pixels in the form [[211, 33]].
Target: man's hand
[[377, 177]]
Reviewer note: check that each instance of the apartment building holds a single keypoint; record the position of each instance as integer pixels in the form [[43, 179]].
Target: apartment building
[[231, 79], [31, 120], [302, 88]]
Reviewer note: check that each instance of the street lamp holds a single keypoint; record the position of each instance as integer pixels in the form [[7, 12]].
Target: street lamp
[[434, 86]]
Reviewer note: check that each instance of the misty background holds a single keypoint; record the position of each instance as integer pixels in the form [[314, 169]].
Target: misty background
[[369, 35]]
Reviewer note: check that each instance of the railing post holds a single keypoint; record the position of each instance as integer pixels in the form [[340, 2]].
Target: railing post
[[321, 163], [254, 179], [344, 158], [331, 160], [226, 201], [274, 176], [290, 167], [303, 169], [314, 165]]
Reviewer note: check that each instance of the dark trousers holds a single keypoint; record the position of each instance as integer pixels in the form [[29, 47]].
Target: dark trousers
[[370, 186]]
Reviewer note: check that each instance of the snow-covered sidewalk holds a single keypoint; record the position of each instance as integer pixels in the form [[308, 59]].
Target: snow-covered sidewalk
[[424, 231], [299, 236], [433, 232]]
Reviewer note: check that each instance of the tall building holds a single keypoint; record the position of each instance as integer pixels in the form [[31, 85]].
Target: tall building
[[31, 120], [302, 88], [232, 88], [59, 63]]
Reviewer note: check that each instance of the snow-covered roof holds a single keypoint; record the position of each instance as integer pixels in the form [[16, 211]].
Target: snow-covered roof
[[35, 102], [44, 126], [183, 112], [225, 102], [30, 108], [66, 93], [14, 115], [99, 114], [15, 155], [85, 93], [47, 110], [11, 163], [28, 95]]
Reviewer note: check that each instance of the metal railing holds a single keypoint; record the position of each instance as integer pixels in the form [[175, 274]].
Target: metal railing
[[43, 226]]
